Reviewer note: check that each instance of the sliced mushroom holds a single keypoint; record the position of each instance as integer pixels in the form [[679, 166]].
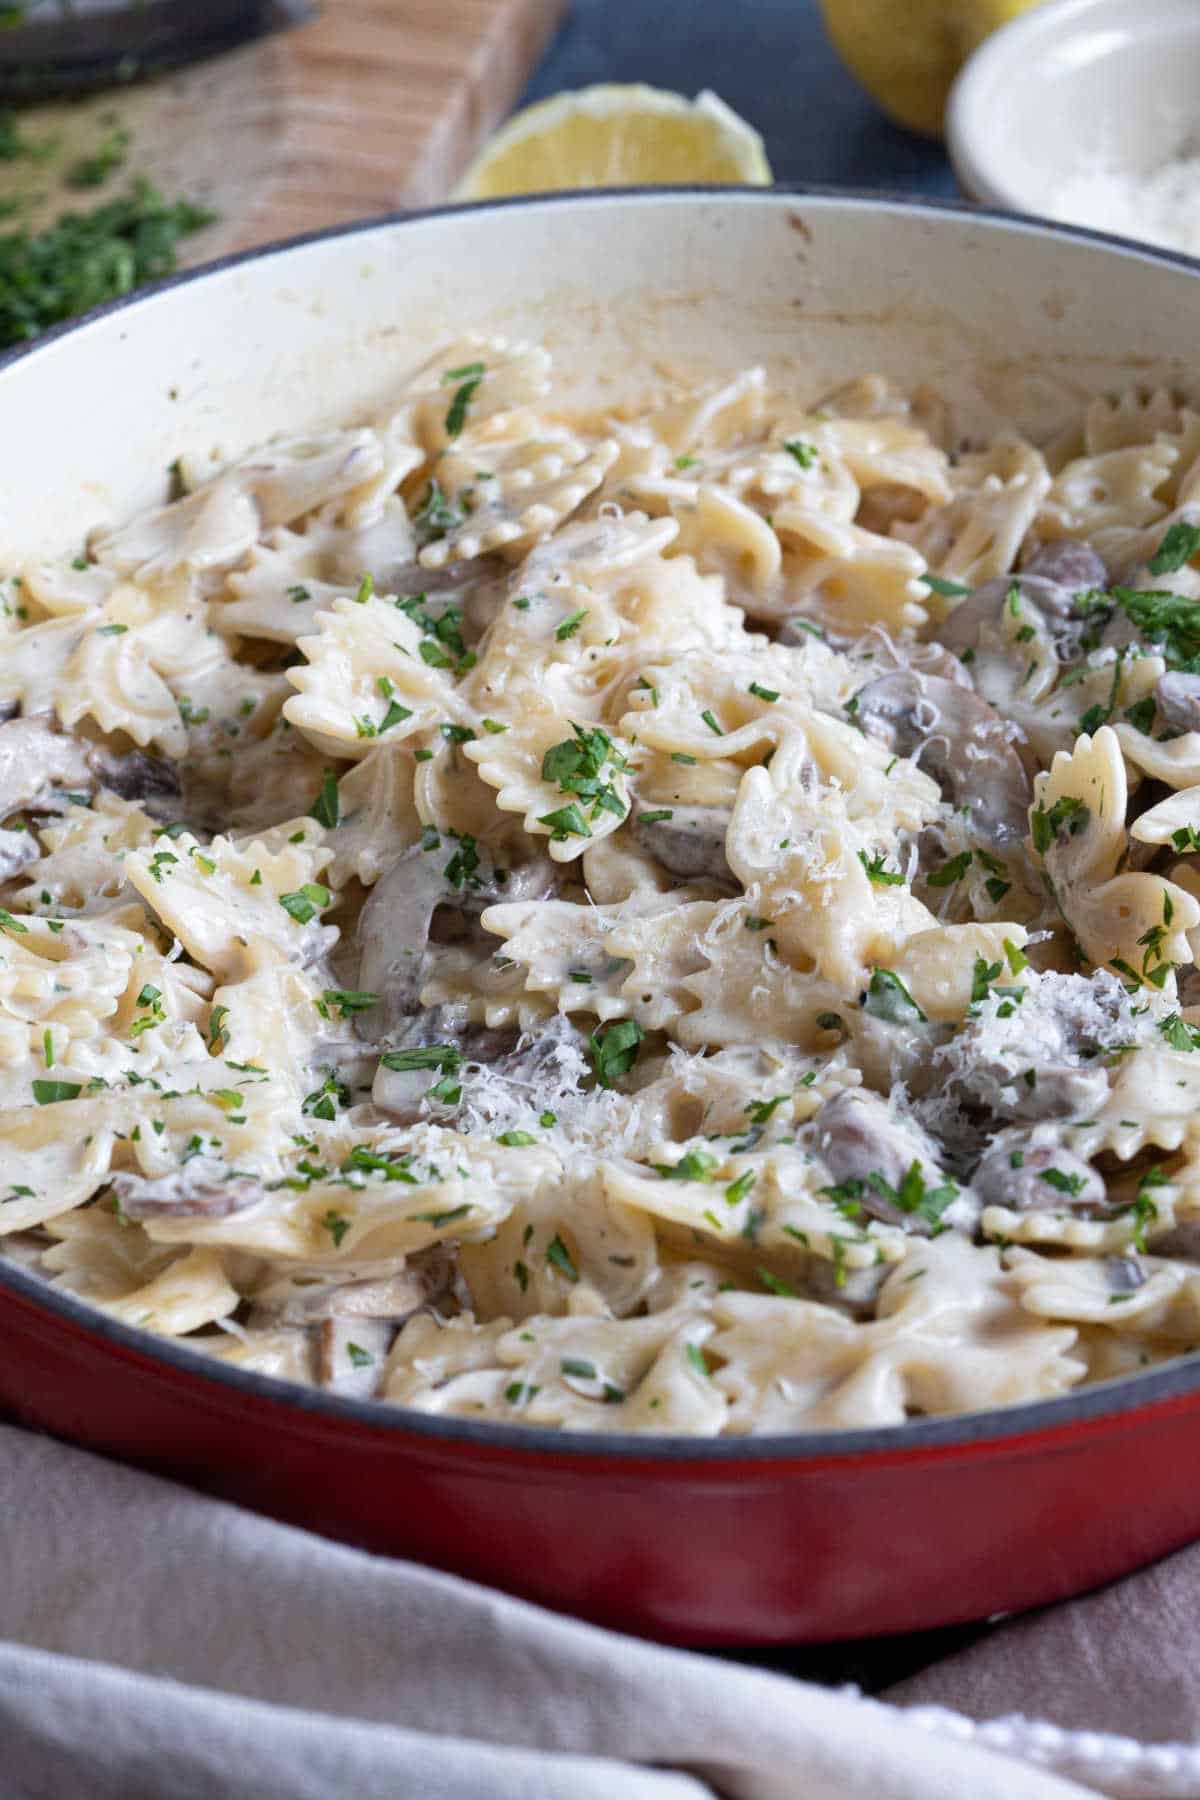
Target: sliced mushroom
[[1041, 1060], [203, 1189], [1125, 1274], [688, 841], [1036, 1177], [981, 608], [1181, 1242], [961, 742], [34, 758], [351, 1354], [1070, 564], [397, 932], [149, 780], [858, 1136], [295, 1299], [1177, 701], [17, 850]]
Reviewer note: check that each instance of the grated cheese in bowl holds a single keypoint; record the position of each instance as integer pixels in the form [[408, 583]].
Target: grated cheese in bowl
[[1159, 206]]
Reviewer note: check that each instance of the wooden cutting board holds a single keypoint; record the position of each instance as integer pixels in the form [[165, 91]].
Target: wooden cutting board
[[373, 105]]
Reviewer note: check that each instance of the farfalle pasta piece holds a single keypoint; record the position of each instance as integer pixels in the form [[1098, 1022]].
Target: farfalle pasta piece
[[845, 577], [1155, 1095], [382, 1195], [1155, 1298], [760, 1209], [569, 781], [238, 907], [83, 854], [1135, 921], [368, 676], [501, 378], [569, 1234], [949, 1335], [505, 494], [976, 535], [55, 1155], [609, 960], [1119, 489], [99, 1257], [799, 854], [1175, 761]]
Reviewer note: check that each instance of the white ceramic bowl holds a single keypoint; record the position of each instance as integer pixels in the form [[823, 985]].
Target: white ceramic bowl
[[1072, 85]]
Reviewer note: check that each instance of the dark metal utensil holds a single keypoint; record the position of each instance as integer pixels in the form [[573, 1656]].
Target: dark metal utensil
[[56, 47]]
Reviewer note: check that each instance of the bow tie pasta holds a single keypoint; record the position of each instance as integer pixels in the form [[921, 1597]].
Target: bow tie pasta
[[663, 918]]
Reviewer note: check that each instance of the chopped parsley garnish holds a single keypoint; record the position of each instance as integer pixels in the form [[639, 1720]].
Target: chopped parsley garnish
[[1178, 547], [471, 371], [614, 1048], [437, 515], [46, 1093], [1170, 620], [565, 822], [1179, 1034], [696, 1165], [983, 973], [444, 1218], [218, 1037], [326, 808], [88, 257], [359, 1358], [445, 1058], [456, 418], [950, 872], [461, 870], [887, 998], [804, 454], [1062, 1184], [568, 627], [306, 902], [559, 1257], [1141, 714], [577, 766], [337, 1226], [516, 1140], [656, 818], [324, 1101], [912, 1196], [876, 872], [737, 1190], [1068, 814], [348, 1001]]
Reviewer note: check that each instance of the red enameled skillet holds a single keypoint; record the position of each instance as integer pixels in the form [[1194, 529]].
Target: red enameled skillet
[[708, 1542]]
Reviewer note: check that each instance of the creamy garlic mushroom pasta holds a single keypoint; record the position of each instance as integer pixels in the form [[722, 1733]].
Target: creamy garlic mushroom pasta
[[673, 920]]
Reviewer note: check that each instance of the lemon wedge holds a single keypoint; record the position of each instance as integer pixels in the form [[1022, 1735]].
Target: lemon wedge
[[616, 136], [906, 53]]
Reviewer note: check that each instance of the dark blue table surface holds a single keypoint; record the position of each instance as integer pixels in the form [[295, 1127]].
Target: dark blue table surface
[[771, 60]]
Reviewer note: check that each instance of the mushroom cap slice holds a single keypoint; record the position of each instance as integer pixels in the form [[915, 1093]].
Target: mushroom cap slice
[[963, 743]]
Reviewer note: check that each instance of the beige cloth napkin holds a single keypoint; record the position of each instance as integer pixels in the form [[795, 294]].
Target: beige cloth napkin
[[158, 1644]]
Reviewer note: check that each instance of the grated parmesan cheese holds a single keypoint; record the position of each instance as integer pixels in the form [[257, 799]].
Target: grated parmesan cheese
[[1161, 206]]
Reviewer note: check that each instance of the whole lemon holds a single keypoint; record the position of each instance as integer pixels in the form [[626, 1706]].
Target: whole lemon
[[906, 53]]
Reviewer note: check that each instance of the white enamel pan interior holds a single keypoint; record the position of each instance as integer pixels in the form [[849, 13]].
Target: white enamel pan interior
[[1010, 320]]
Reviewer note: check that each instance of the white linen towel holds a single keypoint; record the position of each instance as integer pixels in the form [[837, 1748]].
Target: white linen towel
[[159, 1645]]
